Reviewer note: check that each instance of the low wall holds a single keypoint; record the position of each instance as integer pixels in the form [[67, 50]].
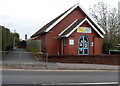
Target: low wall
[[91, 59]]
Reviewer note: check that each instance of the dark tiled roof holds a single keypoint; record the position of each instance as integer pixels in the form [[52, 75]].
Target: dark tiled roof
[[71, 27], [42, 30]]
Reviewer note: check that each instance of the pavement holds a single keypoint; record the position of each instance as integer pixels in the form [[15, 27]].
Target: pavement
[[60, 66], [22, 59], [86, 66]]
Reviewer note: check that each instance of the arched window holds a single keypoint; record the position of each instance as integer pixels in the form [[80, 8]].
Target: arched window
[[83, 45]]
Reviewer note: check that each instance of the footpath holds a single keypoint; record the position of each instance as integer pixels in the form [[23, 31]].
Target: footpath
[[59, 66]]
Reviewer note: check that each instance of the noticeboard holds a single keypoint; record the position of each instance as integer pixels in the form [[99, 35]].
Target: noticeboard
[[84, 30]]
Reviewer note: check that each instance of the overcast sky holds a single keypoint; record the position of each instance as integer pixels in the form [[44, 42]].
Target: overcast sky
[[28, 16]]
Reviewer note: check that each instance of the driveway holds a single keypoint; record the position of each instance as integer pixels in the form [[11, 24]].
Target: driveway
[[18, 55]]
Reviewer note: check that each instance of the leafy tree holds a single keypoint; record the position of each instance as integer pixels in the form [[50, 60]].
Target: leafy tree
[[7, 39], [17, 37]]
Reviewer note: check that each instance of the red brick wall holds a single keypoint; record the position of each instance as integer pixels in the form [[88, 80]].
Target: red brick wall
[[90, 59], [97, 46], [43, 43], [73, 49]]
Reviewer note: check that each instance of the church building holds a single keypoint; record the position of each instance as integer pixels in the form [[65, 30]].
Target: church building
[[74, 32]]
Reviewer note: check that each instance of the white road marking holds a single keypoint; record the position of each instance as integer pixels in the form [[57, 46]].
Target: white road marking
[[101, 83], [58, 70]]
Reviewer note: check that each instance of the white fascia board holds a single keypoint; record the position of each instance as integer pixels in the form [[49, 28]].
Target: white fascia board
[[94, 28], [75, 28], [61, 18], [81, 24], [67, 27], [92, 19]]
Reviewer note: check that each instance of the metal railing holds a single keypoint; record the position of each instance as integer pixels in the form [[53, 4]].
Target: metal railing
[[113, 51]]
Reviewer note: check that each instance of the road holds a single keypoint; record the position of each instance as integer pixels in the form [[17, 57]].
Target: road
[[52, 76]]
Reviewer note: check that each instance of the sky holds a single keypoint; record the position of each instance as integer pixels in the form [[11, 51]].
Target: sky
[[28, 16]]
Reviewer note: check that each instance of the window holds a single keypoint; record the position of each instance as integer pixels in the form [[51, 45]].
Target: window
[[83, 45], [71, 42]]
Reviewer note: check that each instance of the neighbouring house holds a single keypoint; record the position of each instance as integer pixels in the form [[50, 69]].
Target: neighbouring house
[[73, 32]]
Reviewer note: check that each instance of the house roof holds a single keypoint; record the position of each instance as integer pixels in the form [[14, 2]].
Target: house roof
[[55, 21], [70, 29], [44, 28]]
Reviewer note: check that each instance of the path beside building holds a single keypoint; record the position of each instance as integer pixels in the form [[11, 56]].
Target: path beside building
[[18, 55]]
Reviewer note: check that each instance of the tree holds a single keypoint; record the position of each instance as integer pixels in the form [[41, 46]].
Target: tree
[[17, 37], [7, 39], [107, 18]]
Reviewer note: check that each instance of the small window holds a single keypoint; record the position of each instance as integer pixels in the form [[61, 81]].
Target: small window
[[81, 45], [71, 42], [85, 51], [81, 51], [86, 45], [81, 40], [85, 39]]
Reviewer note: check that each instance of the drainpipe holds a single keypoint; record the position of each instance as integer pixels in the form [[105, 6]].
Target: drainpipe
[[62, 47], [93, 45], [45, 46]]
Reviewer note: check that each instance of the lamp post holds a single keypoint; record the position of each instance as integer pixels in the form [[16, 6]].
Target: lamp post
[[14, 40]]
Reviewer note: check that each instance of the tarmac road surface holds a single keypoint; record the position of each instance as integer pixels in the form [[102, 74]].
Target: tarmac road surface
[[45, 77]]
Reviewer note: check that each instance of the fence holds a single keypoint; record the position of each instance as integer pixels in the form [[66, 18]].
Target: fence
[[114, 51], [34, 45]]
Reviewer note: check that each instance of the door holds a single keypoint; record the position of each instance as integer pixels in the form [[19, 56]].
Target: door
[[83, 45]]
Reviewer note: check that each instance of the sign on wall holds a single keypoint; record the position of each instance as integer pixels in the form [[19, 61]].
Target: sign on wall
[[71, 42], [92, 43], [84, 30]]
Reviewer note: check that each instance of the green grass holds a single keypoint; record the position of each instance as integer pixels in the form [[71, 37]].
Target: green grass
[[34, 50]]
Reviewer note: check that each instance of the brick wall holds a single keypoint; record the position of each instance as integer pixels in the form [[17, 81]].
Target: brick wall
[[91, 59], [97, 46]]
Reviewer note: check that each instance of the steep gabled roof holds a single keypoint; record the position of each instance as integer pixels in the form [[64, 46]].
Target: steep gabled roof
[[44, 28], [55, 21], [70, 29]]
